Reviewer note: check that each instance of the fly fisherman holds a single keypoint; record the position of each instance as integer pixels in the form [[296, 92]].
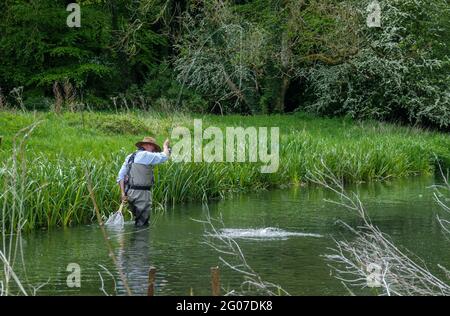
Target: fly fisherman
[[136, 177]]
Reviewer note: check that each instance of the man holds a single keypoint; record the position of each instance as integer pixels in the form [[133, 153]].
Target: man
[[136, 177]]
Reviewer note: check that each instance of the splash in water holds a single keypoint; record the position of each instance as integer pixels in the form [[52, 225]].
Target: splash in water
[[115, 220], [263, 233]]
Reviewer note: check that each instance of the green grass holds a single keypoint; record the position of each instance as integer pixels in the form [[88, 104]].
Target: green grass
[[62, 147]]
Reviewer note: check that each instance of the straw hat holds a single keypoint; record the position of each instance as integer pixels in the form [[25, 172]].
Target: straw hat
[[149, 140]]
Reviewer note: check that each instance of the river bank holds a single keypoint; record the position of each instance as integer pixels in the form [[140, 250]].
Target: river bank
[[51, 169]]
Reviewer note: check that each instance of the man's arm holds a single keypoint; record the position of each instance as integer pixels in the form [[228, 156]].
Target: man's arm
[[122, 190], [154, 158], [121, 179]]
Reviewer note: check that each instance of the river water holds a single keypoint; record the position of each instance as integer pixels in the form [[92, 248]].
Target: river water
[[283, 235]]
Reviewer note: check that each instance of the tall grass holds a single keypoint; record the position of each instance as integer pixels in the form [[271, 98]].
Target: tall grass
[[13, 217], [63, 147]]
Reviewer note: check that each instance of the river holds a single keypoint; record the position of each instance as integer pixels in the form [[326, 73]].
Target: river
[[283, 234]]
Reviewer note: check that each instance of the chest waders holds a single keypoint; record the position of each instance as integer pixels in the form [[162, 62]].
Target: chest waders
[[138, 184]]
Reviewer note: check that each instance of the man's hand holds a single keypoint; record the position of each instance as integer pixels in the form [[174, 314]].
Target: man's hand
[[166, 146], [124, 198], [166, 143]]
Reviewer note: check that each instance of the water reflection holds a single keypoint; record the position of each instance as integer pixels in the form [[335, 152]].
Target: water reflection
[[133, 257]]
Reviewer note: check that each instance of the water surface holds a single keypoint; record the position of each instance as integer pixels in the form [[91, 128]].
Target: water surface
[[283, 234]]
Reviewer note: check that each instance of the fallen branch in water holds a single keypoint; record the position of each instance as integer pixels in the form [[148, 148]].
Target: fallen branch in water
[[227, 246], [370, 259], [102, 287], [442, 198], [12, 217]]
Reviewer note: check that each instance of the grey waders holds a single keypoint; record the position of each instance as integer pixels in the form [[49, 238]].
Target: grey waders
[[139, 183]]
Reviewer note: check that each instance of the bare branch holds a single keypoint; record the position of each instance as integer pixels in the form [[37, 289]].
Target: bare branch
[[370, 259], [236, 261]]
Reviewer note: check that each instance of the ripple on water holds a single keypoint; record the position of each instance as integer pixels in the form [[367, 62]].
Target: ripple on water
[[267, 233]]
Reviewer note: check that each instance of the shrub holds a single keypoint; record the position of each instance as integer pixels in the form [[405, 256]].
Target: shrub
[[115, 124], [396, 76]]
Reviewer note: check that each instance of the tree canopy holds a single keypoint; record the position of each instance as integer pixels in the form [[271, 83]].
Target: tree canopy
[[241, 56]]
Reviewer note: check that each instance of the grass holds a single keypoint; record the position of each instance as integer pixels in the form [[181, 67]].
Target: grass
[[63, 146]]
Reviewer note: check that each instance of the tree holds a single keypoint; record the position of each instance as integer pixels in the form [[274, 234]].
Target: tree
[[218, 55], [399, 72], [38, 48], [254, 51]]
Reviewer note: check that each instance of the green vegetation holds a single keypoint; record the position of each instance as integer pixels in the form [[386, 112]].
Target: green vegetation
[[62, 147], [230, 56], [361, 102]]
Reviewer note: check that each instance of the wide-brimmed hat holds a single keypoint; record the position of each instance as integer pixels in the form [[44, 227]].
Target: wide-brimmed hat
[[149, 140]]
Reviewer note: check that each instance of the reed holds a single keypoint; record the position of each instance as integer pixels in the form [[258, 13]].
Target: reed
[[55, 192], [13, 218]]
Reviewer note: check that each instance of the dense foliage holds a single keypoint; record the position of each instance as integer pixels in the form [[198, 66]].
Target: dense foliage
[[223, 56], [48, 179]]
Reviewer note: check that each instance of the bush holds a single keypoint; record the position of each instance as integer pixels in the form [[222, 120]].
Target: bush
[[38, 103], [116, 124], [163, 92], [396, 77]]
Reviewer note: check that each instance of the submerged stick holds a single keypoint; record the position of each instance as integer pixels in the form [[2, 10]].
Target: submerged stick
[[215, 281], [105, 235], [151, 281]]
